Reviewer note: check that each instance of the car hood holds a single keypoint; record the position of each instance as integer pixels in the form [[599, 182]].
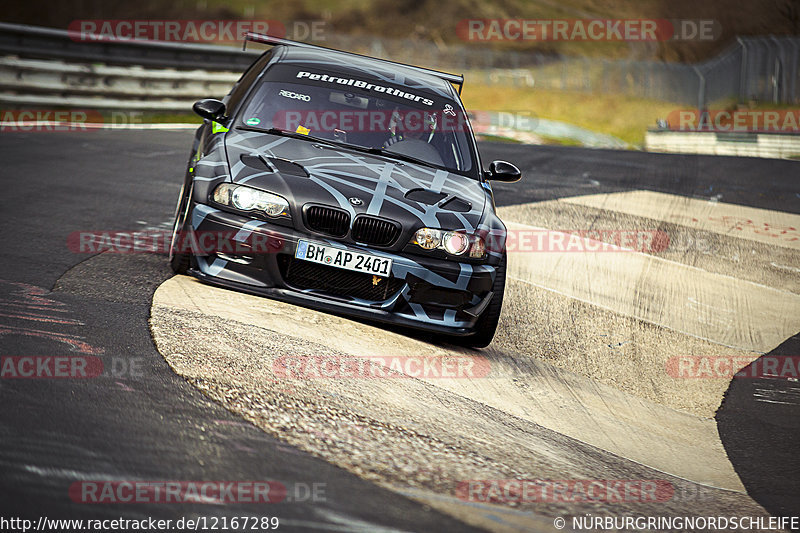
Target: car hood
[[305, 172]]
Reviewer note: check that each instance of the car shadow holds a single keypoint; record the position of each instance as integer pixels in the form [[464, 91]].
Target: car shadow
[[759, 425]]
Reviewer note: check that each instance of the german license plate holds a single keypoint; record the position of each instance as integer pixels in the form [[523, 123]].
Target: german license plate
[[346, 259]]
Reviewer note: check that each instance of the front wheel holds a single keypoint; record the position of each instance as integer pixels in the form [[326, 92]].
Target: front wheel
[[487, 322], [178, 259]]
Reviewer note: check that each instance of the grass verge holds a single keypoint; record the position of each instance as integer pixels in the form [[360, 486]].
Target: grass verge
[[624, 117]]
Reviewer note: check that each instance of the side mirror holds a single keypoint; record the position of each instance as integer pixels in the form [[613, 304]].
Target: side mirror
[[503, 171], [210, 109]]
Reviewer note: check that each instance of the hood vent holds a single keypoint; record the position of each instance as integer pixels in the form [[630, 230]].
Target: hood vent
[[288, 168], [429, 197], [425, 196], [456, 204], [256, 162], [273, 164]]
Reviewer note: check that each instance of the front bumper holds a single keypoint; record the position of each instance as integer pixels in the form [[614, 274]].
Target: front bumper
[[431, 294]]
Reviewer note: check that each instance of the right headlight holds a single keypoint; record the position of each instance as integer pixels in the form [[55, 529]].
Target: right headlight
[[250, 199], [453, 242]]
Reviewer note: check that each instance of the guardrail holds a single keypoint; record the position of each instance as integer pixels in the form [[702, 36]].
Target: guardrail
[[31, 82], [46, 67], [49, 43], [770, 145]]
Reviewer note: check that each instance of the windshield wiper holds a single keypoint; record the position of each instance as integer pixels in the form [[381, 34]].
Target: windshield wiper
[[292, 134], [388, 153]]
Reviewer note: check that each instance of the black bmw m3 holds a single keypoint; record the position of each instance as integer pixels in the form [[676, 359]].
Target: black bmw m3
[[347, 184]]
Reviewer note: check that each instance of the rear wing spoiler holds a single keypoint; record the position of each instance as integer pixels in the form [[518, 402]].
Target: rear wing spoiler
[[455, 79]]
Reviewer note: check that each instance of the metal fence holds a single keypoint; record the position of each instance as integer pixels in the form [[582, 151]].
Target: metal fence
[[770, 69], [670, 82], [760, 69], [766, 69]]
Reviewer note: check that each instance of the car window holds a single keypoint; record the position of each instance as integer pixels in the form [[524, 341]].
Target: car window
[[239, 90], [371, 114]]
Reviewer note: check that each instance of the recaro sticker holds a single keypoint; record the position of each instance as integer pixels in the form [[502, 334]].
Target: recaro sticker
[[296, 96]]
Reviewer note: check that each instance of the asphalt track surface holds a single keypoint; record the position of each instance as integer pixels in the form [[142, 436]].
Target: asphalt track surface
[[143, 422]]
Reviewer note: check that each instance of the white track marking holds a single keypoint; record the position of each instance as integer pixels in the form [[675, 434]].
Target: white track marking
[[683, 298], [760, 225]]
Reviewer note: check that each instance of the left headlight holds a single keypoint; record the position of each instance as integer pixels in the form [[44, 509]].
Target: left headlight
[[250, 199], [453, 242]]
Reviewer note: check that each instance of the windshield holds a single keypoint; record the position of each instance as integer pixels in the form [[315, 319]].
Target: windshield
[[410, 122]]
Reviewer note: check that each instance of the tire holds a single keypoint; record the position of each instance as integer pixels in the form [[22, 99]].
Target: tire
[[179, 261], [487, 322]]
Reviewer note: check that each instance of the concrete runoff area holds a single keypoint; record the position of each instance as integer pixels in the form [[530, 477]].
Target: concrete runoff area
[[423, 434], [524, 387], [579, 383], [714, 292]]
